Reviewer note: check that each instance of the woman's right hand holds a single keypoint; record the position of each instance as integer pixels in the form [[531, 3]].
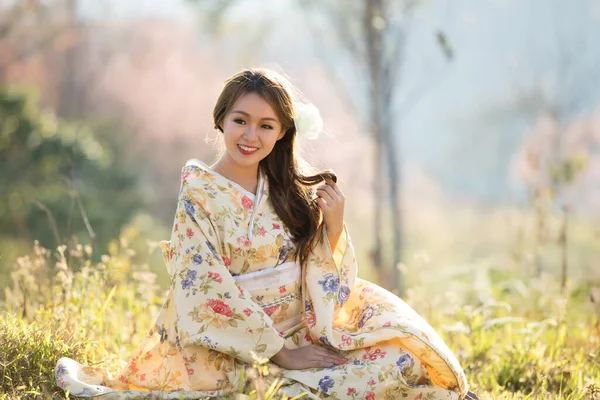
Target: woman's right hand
[[311, 356]]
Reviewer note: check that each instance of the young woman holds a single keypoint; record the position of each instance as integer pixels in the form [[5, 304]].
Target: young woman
[[262, 265]]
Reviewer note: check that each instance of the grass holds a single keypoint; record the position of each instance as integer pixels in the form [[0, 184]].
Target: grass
[[516, 336]]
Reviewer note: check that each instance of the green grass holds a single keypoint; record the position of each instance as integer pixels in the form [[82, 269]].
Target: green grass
[[516, 336]]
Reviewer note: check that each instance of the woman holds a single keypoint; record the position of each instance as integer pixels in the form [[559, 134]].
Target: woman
[[262, 265]]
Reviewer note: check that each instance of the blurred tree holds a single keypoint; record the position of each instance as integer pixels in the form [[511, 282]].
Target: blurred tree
[[58, 179], [29, 29], [373, 33], [561, 88], [46, 44]]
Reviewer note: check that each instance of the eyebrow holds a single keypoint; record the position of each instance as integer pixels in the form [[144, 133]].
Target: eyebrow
[[246, 114]]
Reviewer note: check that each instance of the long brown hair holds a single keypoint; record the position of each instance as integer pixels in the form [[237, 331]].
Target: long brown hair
[[291, 187]]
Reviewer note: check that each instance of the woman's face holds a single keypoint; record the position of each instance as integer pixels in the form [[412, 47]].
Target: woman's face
[[250, 130]]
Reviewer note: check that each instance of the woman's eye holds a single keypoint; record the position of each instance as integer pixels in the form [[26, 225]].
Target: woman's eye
[[239, 121], [267, 127]]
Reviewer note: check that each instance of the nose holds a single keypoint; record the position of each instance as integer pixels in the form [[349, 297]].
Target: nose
[[251, 133]]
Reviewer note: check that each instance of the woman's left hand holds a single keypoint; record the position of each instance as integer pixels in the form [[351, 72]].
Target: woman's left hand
[[331, 200]]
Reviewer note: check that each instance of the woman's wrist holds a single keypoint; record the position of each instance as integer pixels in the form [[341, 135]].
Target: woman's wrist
[[280, 356], [334, 236]]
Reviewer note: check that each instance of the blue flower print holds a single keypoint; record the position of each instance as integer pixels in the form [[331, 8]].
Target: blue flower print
[[61, 371], [366, 314], [324, 340], [285, 250], [162, 331], [212, 249], [185, 284], [191, 274], [306, 305], [325, 384], [405, 361], [189, 208], [343, 294], [197, 259], [330, 283], [190, 277]]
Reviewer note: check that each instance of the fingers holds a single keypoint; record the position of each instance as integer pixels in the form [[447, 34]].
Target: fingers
[[330, 189], [326, 195], [330, 194], [325, 362], [326, 359], [323, 204], [326, 356], [315, 356], [334, 186]]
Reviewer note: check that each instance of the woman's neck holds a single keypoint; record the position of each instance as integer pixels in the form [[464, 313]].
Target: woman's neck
[[246, 177]]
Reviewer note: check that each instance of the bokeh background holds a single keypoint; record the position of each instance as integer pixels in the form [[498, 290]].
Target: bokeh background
[[466, 138]]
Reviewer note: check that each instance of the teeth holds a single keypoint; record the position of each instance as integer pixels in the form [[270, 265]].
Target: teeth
[[247, 148]]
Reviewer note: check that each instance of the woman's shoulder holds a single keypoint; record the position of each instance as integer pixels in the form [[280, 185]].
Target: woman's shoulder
[[195, 163], [196, 174]]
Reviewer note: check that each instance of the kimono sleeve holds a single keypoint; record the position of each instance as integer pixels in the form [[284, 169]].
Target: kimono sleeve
[[213, 311]]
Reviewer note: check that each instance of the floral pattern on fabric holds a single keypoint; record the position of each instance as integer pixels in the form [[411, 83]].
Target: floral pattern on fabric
[[210, 326]]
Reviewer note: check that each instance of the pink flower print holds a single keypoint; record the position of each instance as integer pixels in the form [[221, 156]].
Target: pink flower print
[[308, 338], [189, 232], [276, 226], [142, 377], [226, 261], [374, 355], [247, 311], [281, 289], [377, 353], [262, 231], [247, 202], [271, 310], [347, 340], [215, 276], [365, 290], [351, 391], [184, 176], [219, 307], [176, 228], [243, 241], [311, 320], [370, 395], [371, 383], [387, 324], [371, 355]]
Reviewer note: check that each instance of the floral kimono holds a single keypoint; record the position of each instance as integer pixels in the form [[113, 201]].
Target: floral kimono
[[237, 295]]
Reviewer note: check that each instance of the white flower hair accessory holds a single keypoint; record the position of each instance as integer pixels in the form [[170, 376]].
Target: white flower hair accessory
[[308, 120]]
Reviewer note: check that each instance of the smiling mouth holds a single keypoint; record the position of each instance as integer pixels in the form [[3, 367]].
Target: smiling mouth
[[247, 149]]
